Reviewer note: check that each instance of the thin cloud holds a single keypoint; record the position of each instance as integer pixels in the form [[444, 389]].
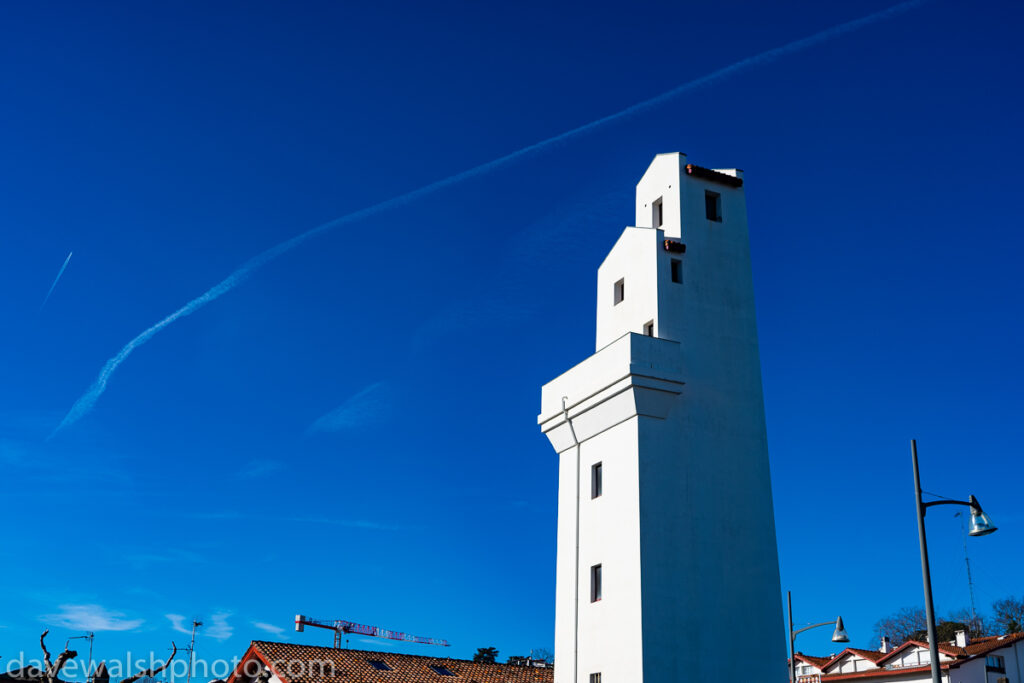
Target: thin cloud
[[269, 628], [87, 401], [90, 618], [56, 280], [300, 519], [178, 623], [218, 628], [169, 556], [360, 410], [259, 468]]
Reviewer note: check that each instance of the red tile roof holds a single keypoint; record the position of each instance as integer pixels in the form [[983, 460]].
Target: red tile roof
[[870, 655], [816, 662], [977, 648], [294, 663]]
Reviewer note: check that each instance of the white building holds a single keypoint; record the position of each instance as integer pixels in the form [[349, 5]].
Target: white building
[[666, 534], [994, 659]]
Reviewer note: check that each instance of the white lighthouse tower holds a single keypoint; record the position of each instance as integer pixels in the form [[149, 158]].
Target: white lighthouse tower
[[667, 564]]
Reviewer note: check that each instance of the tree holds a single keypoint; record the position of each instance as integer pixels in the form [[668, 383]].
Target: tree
[[51, 669], [488, 655], [978, 625], [945, 631], [1008, 615], [901, 626], [542, 654]]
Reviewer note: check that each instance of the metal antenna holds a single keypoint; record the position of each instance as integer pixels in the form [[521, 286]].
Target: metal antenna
[[970, 581], [89, 635], [192, 648]]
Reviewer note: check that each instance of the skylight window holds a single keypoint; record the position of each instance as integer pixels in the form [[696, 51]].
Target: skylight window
[[379, 665], [441, 670]]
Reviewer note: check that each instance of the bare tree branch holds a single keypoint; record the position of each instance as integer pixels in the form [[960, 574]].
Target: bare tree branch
[[62, 659], [149, 673], [46, 653], [53, 669]]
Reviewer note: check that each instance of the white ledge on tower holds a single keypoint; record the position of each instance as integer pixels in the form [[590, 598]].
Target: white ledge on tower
[[634, 375]]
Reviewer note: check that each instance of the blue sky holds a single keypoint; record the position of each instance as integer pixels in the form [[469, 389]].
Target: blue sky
[[350, 433]]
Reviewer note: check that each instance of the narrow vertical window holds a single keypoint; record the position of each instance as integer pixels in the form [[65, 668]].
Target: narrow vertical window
[[659, 213], [595, 583], [595, 480], [620, 291], [649, 328], [677, 270], [713, 205], [595, 678]]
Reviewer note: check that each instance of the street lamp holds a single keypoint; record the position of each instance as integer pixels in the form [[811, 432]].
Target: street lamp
[[838, 636], [981, 525]]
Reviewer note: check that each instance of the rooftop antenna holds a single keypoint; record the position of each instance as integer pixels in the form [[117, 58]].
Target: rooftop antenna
[[89, 635], [191, 648], [970, 581]]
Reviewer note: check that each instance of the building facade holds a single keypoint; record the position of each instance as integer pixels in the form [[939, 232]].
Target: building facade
[[666, 534], [993, 659]]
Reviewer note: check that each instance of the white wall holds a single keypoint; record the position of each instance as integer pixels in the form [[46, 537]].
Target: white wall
[[685, 531]]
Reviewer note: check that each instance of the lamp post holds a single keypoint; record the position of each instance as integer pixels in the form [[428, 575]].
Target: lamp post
[[838, 636], [981, 525]]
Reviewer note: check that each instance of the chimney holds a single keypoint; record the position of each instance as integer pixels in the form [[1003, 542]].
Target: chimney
[[886, 645], [962, 638]]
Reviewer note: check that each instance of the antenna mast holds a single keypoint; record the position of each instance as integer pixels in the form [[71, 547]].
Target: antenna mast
[[192, 648], [970, 581]]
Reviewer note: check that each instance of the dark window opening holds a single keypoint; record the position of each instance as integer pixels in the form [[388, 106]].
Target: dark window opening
[[441, 670], [659, 213], [649, 328], [595, 583], [595, 678], [677, 270], [620, 291], [379, 665], [595, 480], [713, 205]]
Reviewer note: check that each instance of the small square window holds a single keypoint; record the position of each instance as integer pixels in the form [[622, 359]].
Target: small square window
[[595, 480], [677, 270], [658, 217], [379, 664], [595, 678], [649, 328], [620, 291], [595, 583], [713, 205], [441, 670]]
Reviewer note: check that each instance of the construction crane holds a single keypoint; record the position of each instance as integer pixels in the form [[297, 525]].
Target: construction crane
[[341, 627]]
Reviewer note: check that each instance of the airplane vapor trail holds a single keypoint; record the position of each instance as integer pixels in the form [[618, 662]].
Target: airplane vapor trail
[[86, 402], [56, 280]]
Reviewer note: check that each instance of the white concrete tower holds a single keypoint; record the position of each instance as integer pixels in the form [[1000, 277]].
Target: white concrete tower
[[667, 564]]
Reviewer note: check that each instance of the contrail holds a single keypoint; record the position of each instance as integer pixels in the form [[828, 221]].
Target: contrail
[[85, 403], [56, 280]]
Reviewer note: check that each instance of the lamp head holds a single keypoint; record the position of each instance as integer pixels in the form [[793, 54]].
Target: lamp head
[[981, 525], [839, 635]]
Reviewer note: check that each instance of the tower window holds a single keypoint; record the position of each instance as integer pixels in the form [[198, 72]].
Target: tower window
[[677, 270], [649, 328], [713, 205], [620, 291], [659, 213], [595, 678], [595, 480], [595, 583]]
